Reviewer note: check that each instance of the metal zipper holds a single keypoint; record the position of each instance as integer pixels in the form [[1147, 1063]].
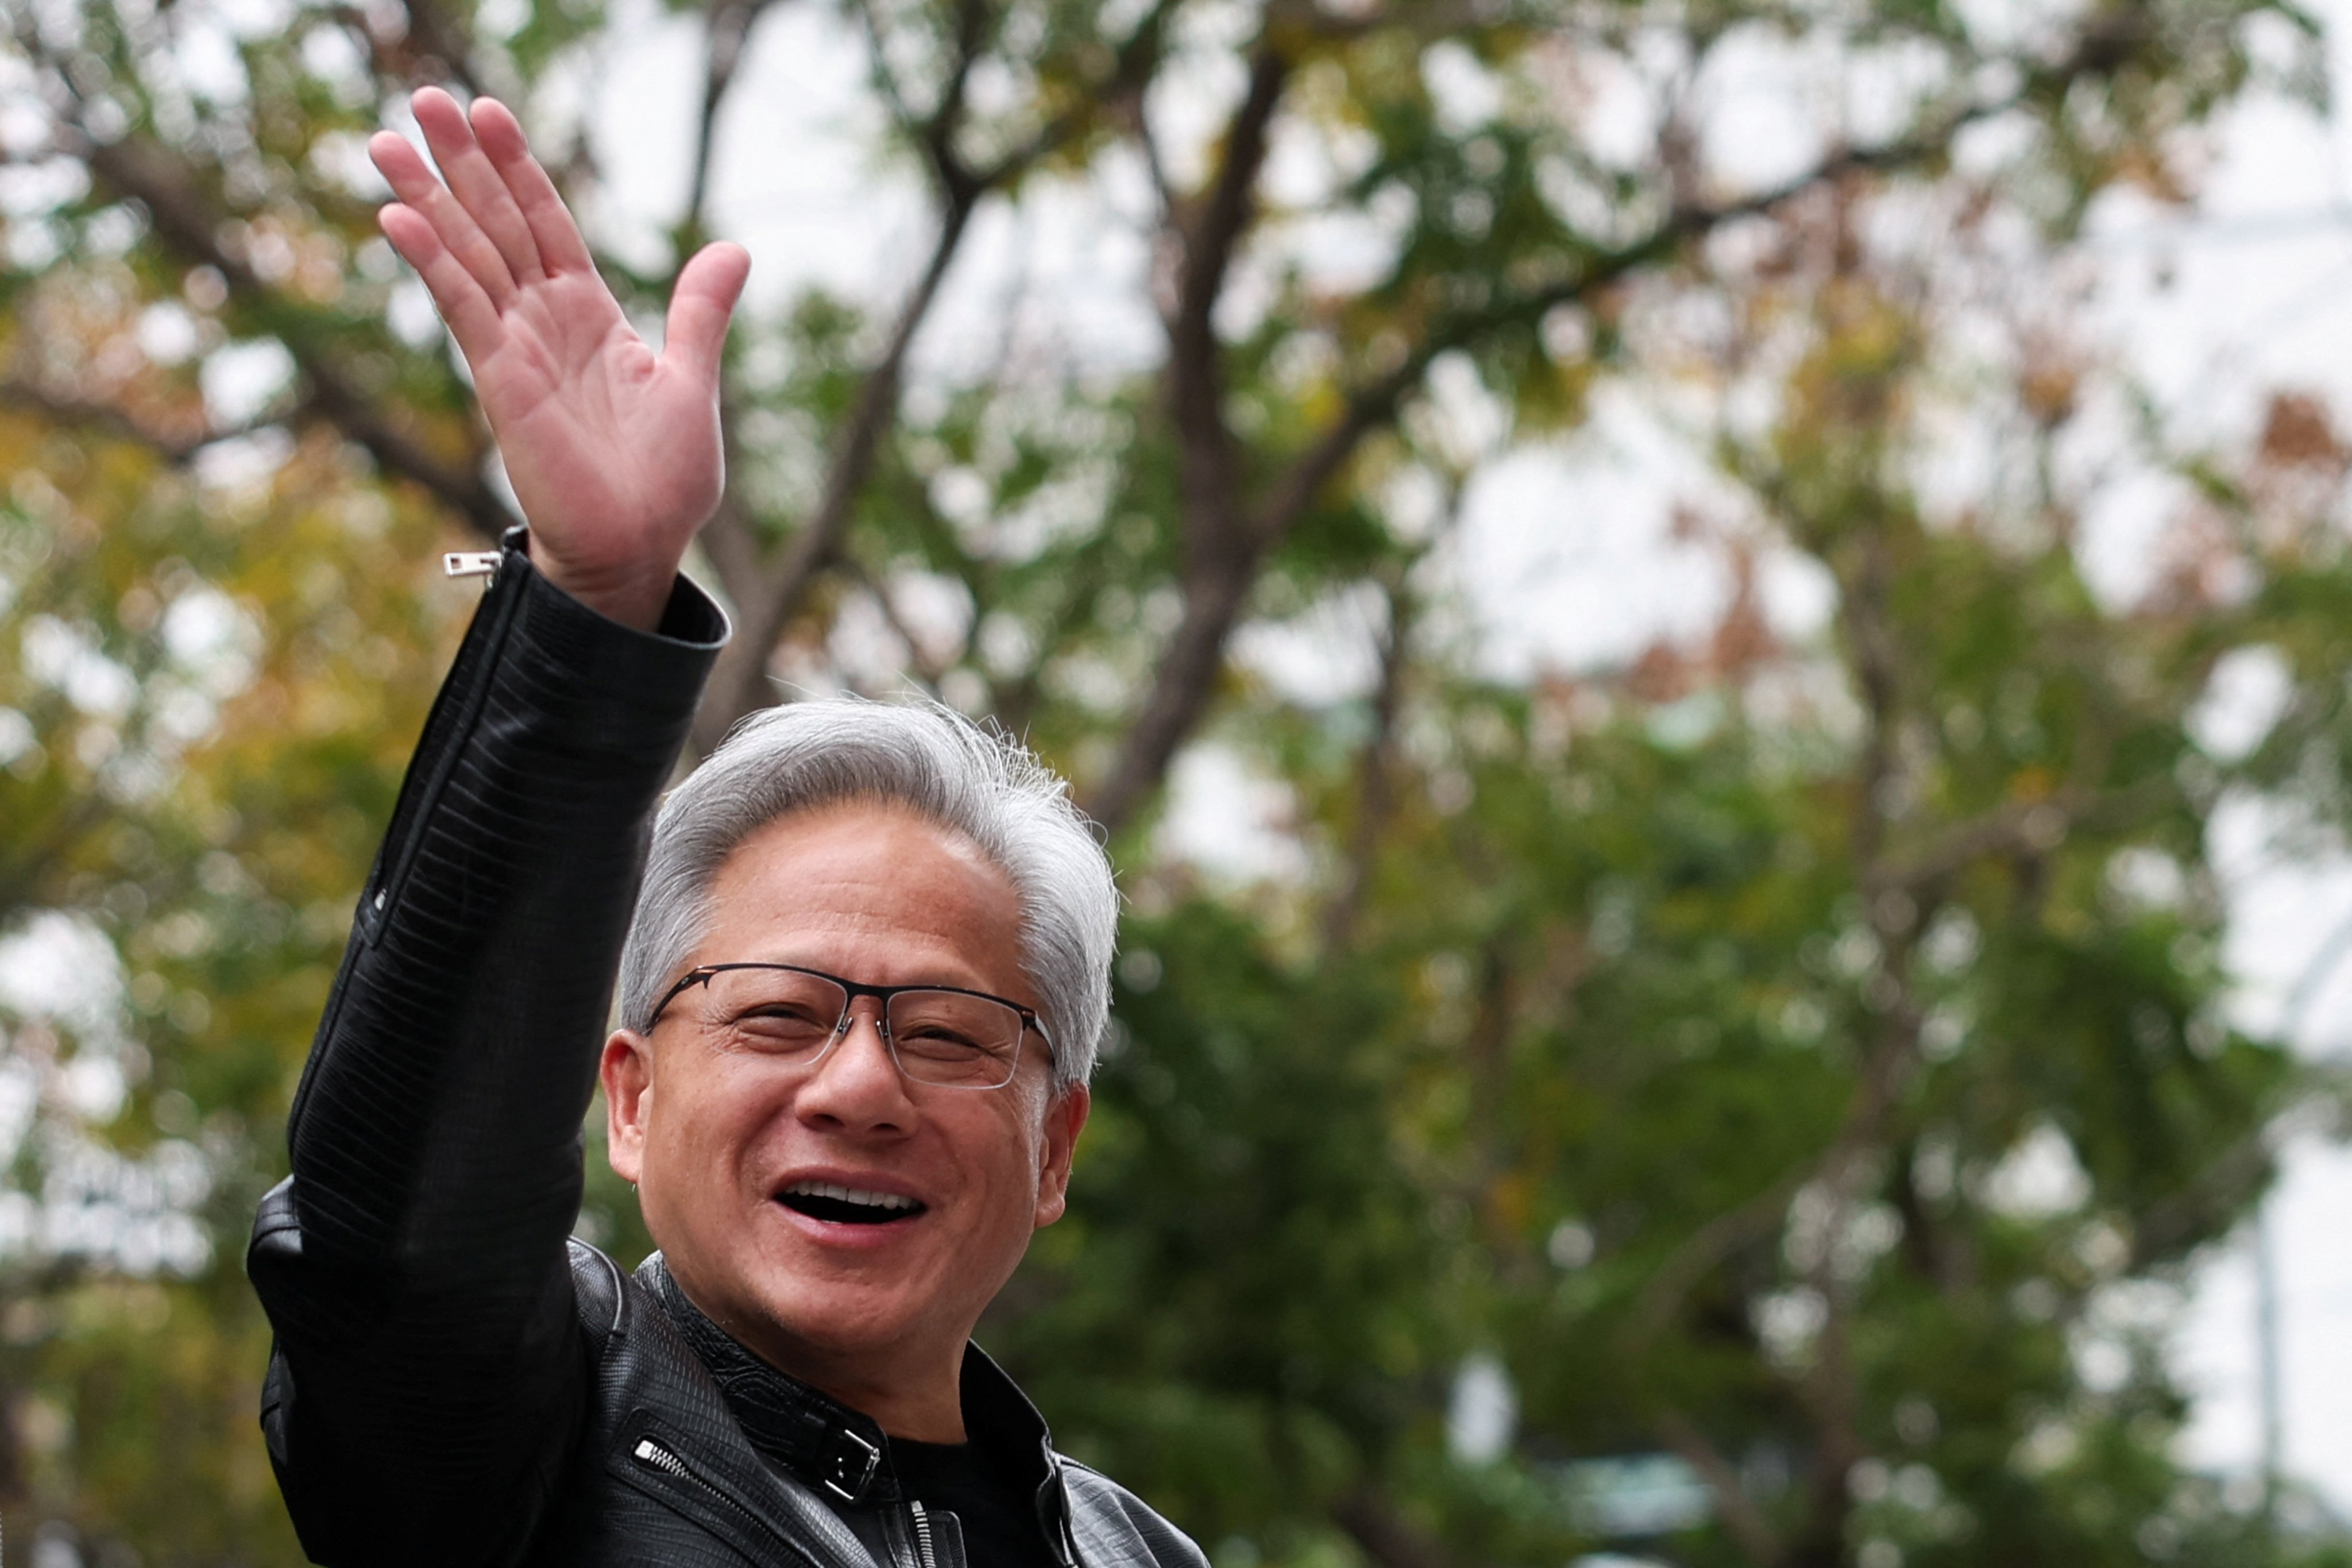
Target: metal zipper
[[655, 1455], [922, 1533], [652, 1453]]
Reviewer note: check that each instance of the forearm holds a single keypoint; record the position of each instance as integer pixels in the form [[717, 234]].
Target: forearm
[[435, 1138], [427, 1360]]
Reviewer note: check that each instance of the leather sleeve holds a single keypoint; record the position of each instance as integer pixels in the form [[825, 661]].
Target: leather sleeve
[[429, 1369]]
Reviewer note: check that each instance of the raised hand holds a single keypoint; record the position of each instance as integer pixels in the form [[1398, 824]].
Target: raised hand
[[614, 450]]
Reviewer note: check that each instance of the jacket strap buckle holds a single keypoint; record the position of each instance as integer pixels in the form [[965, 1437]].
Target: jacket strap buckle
[[848, 1465]]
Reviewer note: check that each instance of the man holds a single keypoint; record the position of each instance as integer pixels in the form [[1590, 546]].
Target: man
[[860, 1000]]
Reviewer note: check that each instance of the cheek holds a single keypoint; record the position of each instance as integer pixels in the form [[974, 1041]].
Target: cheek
[[1017, 1148], [703, 1113]]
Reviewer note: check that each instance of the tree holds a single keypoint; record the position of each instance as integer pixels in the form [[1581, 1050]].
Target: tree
[[204, 731], [1682, 1040]]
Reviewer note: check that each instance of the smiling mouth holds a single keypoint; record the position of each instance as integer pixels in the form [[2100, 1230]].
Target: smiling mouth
[[837, 1204]]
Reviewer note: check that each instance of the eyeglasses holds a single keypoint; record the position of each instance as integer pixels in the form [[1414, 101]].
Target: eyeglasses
[[939, 1035]]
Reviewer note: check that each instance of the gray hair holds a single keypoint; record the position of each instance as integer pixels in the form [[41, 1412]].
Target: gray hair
[[932, 760]]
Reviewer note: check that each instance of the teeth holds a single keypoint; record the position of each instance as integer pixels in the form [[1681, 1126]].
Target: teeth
[[842, 1194]]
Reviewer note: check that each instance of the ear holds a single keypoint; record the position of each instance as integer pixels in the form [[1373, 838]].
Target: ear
[[626, 1072], [1065, 1117]]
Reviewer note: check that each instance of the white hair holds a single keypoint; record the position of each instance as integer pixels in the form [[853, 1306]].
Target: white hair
[[931, 761]]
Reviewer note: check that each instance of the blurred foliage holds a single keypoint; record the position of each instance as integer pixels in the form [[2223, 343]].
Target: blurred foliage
[[1792, 1061], [215, 689]]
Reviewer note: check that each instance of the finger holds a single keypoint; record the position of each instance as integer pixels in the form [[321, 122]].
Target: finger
[[422, 193], [561, 249], [700, 307], [477, 186], [456, 292]]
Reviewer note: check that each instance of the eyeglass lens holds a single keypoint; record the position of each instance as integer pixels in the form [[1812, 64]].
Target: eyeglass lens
[[942, 1037]]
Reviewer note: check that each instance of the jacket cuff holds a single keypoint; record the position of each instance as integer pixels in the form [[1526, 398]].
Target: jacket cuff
[[603, 658], [596, 690]]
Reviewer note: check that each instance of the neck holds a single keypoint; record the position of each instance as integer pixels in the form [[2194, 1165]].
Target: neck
[[910, 1390], [907, 1398]]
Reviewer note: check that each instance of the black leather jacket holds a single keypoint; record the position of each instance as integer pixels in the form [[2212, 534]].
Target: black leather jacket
[[455, 1378]]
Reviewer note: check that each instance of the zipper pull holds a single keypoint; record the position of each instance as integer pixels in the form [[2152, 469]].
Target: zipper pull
[[649, 1452], [471, 563], [923, 1533]]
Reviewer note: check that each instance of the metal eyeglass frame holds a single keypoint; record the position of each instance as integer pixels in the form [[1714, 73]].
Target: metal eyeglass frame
[[881, 994]]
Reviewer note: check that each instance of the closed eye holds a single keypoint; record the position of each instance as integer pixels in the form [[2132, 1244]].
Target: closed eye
[[781, 1028], [945, 1043]]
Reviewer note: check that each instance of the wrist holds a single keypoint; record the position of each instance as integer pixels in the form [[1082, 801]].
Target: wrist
[[632, 596]]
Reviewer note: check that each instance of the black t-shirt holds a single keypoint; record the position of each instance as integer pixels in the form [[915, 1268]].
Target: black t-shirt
[[994, 1509]]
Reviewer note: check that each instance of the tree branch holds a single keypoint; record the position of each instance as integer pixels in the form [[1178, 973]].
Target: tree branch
[[1187, 674], [1886, 1064], [107, 420], [1221, 551], [767, 600], [2016, 828], [938, 132], [1209, 467], [1376, 777], [728, 31], [185, 218], [1750, 1531], [926, 667], [1376, 770], [1121, 92], [767, 596], [431, 36]]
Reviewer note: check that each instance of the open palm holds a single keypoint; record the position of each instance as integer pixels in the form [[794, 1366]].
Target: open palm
[[614, 450]]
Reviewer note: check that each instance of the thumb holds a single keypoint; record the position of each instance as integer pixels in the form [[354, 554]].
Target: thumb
[[699, 306]]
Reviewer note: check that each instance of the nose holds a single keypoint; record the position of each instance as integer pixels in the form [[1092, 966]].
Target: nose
[[857, 1087]]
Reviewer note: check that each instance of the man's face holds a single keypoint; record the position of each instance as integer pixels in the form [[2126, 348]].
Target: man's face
[[717, 1139]]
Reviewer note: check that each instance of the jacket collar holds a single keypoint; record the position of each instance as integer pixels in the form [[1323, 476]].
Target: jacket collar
[[840, 1452]]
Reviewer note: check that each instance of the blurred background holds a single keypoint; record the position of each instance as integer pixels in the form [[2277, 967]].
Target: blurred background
[[1713, 639]]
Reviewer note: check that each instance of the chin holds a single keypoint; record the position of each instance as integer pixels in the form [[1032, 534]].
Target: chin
[[840, 1320]]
